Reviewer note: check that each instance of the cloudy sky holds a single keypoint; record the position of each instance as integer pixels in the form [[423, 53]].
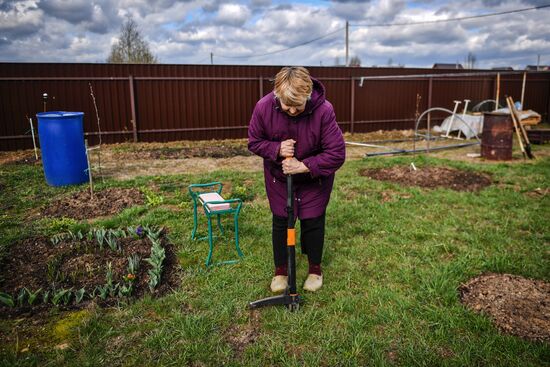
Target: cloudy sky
[[253, 31]]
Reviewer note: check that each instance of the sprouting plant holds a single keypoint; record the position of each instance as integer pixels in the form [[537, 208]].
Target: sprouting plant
[[157, 257], [125, 290], [52, 269], [61, 224], [32, 296], [92, 294], [133, 264], [79, 295], [21, 297], [7, 299], [58, 238], [151, 197], [153, 233], [67, 297], [45, 296], [112, 242], [111, 287], [90, 235], [103, 291], [109, 274], [118, 233], [100, 237], [79, 235], [59, 296]]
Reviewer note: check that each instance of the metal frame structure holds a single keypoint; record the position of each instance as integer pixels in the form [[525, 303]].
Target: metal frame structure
[[234, 209]]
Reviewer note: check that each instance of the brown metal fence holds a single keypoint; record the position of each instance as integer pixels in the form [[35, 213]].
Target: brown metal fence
[[173, 102]]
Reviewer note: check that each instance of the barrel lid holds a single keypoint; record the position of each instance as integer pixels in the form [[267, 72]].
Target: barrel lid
[[58, 114]]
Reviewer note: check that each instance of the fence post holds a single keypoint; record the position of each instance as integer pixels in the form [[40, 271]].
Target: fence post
[[133, 107], [430, 89], [352, 104], [261, 83]]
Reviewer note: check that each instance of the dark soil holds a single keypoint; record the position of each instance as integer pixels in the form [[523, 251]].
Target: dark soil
[[82, 265], [517, 305], [20, 157], [430, 177], [217, 151], [106, 202]]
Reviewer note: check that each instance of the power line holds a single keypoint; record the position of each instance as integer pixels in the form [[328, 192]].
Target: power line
[[284, 49], [450, 19]]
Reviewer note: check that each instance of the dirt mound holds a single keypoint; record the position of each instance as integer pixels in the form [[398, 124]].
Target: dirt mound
[[216, 151], [106, 202], [430, 177], [37, 264], [517, 305]]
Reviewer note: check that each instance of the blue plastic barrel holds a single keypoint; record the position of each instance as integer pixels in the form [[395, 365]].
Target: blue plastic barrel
[[61, 137]]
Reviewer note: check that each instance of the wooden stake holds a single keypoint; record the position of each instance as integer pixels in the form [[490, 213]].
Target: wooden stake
[[523, 90], [515, 113], [516, 128], [89, 169], [498, 91]]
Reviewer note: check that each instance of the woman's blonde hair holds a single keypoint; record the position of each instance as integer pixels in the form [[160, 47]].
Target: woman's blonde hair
[[293, 85]]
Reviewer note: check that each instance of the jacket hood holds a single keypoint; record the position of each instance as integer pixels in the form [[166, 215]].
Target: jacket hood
[[317, 96], [316, 100]]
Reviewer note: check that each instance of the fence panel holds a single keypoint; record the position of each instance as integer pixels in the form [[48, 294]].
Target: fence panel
[[172, 102]]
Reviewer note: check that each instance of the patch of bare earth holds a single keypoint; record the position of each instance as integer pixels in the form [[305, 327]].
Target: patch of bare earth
[[430, 177], [240, 336], [19, 157], [105, 202], [517, 305], [128, 160]]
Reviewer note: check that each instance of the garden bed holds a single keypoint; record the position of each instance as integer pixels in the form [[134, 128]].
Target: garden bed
[[95, 266], [105, 202], [220, 150], [517, 305], [430, 177]]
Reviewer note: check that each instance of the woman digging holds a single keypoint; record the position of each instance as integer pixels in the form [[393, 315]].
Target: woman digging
[[296, 122]]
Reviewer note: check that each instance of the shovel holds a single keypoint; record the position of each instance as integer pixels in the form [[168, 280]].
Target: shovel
[[290, 297]]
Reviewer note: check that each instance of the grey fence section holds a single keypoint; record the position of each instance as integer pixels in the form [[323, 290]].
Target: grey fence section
[[174, 102]]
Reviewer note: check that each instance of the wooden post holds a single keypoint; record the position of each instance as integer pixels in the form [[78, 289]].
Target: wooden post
[[352, 105], [133, 107], [261, 82], [89, 169], [523, 90], [497, 92]]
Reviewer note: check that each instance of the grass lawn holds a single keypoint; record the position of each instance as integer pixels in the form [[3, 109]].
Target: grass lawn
[[394, 259]]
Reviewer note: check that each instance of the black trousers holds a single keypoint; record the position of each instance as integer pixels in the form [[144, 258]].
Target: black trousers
[[312, 238]]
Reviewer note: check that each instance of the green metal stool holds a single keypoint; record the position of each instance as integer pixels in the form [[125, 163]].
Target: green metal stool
[[214, 205]]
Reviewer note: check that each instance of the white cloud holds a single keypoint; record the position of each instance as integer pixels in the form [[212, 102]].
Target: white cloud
[[233, 14], [187, 31]]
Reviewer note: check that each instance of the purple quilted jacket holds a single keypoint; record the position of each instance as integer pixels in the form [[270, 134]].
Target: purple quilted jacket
[[319, 145]]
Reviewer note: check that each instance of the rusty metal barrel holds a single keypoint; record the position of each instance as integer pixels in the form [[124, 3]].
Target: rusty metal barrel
[[497, 136]]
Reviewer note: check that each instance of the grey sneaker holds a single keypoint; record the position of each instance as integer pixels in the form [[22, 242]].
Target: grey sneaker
[[313, 282], [279, 283]]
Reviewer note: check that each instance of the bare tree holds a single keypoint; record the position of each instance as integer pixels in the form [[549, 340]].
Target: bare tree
[[355, 61], [471, 60], [131, 48]]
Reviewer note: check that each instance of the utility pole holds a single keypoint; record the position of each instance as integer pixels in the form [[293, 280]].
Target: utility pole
[[347, 43], [538, 61], [211, 58]]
